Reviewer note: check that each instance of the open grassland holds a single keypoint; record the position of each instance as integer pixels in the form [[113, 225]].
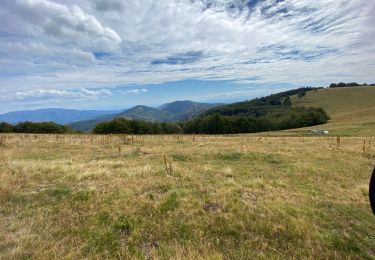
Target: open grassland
[[185, 197], [352, 109]]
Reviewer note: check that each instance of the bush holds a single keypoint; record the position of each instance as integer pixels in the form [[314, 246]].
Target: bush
[[6, 128]]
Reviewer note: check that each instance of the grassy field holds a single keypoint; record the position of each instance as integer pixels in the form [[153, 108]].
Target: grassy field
[[185, 197], [352, 110]]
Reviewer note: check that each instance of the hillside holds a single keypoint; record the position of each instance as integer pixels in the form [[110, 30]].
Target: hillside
[[57, 115], [258, 107], [268, 113], [352, 109]]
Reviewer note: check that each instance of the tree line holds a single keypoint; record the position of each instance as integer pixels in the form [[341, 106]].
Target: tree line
[[127, 126], [35, 128], [277, 120], [219, 124], [350, 84]]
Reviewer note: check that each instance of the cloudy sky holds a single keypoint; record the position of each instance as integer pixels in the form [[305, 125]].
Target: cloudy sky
[[115, 54]]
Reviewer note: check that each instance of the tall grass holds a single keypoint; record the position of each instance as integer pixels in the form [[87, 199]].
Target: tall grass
[[2, 139]]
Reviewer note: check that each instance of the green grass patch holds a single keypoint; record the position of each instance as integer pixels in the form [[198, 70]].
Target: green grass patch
[[170, 203], [58, 192], [180, 157], [255, 157]]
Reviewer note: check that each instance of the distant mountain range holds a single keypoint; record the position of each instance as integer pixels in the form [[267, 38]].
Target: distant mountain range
[[86, 120], [170, 112], [57, 115]]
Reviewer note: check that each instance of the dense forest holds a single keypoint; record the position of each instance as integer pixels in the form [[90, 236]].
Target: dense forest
[[35, 128], [277, 119]]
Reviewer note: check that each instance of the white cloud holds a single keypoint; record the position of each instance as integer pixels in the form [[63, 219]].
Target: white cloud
[[95, 93], [46, 54], [71, 44], [44, 94], [69, 24], [135, 91]]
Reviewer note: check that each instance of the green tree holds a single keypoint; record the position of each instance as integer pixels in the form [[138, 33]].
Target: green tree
[[6, 128]]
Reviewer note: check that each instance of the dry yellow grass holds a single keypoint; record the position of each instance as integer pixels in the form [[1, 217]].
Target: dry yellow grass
[[352, 109], [234, 197]]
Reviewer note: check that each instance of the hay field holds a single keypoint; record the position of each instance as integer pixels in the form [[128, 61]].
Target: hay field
[[185, 197]]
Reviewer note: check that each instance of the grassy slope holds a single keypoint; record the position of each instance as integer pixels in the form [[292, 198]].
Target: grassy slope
[[352, 110], [100, 197]]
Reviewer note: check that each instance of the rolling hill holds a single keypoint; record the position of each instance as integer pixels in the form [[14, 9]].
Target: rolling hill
[[352, 109]]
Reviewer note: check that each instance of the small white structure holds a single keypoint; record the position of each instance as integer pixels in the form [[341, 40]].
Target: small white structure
[[320, 132]]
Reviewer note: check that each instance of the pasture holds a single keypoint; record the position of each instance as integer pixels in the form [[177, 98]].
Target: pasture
[[185, 197], [352, 109]]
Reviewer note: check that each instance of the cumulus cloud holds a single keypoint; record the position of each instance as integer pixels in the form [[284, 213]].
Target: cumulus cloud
[[69, 24]]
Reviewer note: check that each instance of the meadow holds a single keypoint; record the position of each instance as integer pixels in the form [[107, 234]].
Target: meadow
[[352, 109], [185, 197]]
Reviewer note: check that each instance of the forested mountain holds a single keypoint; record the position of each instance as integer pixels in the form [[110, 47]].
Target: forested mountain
[[170, 112], [146, 113], [186, 109]]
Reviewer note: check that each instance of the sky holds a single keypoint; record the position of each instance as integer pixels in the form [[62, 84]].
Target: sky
[[103, 54]]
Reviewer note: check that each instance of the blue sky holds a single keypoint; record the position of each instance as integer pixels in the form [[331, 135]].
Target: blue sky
[[99, 54]]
